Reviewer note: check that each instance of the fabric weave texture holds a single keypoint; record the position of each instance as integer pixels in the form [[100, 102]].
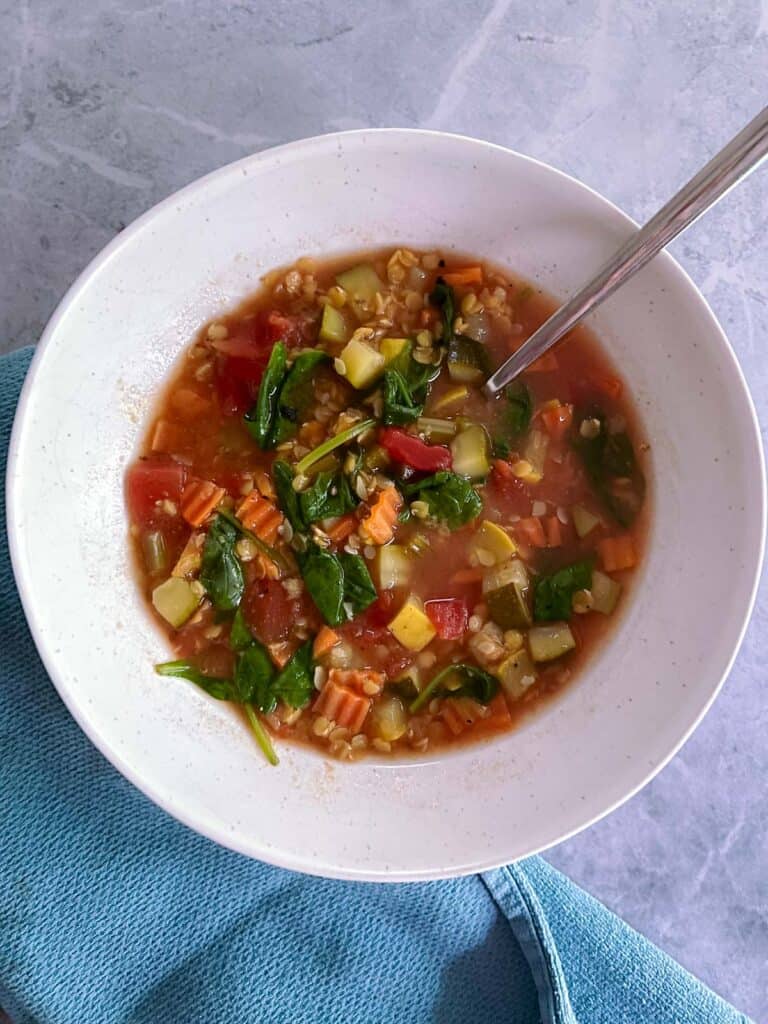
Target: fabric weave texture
[[111, 912]]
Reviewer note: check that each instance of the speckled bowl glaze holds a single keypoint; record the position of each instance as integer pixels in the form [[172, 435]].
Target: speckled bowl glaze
[[95, 376]]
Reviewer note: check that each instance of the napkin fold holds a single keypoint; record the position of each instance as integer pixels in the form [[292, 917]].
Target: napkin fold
[[111, 912]]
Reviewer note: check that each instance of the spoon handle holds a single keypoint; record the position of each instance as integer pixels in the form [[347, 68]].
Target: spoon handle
[[742, 154]]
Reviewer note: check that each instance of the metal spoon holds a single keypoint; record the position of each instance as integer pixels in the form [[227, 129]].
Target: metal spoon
[[742, 155]]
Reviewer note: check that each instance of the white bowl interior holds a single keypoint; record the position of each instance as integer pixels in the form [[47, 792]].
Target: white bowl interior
[[96, 375]]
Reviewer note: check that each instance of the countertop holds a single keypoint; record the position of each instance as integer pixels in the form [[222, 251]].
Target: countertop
[[106, 112]]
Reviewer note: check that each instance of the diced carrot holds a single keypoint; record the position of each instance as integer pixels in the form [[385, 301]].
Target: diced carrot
[[343, 706], [379, 525], [498, 712], [166, 437], [544, 364], [459, 713], [557, 420], [281, 652], [465, 275], [504, 469], [366, 679], [617, 553], [531, 531], [326, 639], [260, 516], [199, 498], [610, 386], [554, 531], [467, 576], [189, 404], [342, 529]]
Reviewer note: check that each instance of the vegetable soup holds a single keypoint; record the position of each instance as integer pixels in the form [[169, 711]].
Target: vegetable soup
[[341, 534]]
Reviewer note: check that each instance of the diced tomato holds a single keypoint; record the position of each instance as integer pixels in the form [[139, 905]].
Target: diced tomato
[[149, 481], [270, 612], [382, 610], [412, 451], [449, 616], [508, 493], [238, 381]]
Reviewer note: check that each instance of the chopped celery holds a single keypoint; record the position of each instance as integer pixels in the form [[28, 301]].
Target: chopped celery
[[155, 552], [451, 397], [535, 455], [412, 627], [361, 282], [175, 600], [333, 326], [584, 521], [389, 718], [467, 360], [506, 589], [516, 674], [362, 363], [435, 430], [605, 592], [471, 450], [393, 567], [550, 641], [491, 545]]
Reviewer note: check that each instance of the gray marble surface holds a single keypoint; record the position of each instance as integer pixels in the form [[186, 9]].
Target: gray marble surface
[[107, 106]]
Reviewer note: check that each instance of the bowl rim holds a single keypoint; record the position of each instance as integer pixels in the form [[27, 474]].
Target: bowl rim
[[15, 529]]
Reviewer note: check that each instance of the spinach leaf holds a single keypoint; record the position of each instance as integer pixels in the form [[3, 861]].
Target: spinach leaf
[[552, 595], [359, 590], [240, 635], [295, 684], [287, 498], [221, 689], [399, 403], [459, 681], [330, 495], [220, 570], [442, 296], [261, 418], [513, 418], [296, 395], [254, 675], [451, 498], [610, 463], [324, 579]]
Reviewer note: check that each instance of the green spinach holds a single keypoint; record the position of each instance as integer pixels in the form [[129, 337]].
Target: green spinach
[[254, 675], [329, 496], [450, 498], [359, 590], [399, 404], [295, 684], [296, 395], [324, 579], [261, 418], [513, 418], [459, 681], [443, 298], [610, 463], [240, 635], [553, 595], [287, 498], [221, 689], [220, 570]]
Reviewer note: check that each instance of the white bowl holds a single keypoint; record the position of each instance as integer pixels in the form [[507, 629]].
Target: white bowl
[[96, 375]]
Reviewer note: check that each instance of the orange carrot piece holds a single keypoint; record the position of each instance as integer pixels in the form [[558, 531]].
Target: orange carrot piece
[[379, 525], [498, 712], [531, 531], [342, 529], [199, 498], [544, 364], [554, 531], [280, 653], [610, 386], [617, 553], [460, 713], [557, 421], [260, 516], [467, 576], [366, 679], [341, 705], [166, 437], [465, 275], [189, 404], [325, 640]]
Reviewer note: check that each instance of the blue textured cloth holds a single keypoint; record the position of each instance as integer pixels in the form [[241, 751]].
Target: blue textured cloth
[[111, 912]]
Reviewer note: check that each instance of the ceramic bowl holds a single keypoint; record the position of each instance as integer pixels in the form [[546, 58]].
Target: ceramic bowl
[[112, 342]]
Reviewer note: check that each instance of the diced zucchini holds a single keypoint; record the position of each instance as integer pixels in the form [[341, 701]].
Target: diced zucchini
[[605, 592], [175, 600], [190, 557], [362, 363], [333, 326], [491, 545], [451, 397], [535, 454], [467, 360], [435, 430], [393, 348], [376, 457], [583, 520], [155, 552], [393, 567], [361, 282], [411, 626], [389, 718], [471, 453], [516, 674], [550, 640], [506, 589]]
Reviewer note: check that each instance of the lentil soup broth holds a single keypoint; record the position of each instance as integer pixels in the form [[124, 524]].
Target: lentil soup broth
[[446, 565]]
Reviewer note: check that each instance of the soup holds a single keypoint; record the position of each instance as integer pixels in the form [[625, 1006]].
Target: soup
[[342, 535]]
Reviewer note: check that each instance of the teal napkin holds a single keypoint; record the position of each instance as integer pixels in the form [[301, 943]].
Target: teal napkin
[[111, 912]]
